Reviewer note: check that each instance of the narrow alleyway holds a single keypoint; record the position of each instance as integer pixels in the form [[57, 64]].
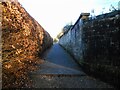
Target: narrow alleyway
[[59, 70]]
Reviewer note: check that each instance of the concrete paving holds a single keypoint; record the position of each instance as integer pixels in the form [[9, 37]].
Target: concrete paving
[[59, 70], [55, 69], [56, 54]]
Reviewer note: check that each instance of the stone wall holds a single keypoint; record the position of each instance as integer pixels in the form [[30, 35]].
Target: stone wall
[[95, 45], [23, 38]]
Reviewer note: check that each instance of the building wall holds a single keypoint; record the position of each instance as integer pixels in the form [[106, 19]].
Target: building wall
[[95, 45]]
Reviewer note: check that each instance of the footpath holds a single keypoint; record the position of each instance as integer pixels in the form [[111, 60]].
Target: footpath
[[59, 70]]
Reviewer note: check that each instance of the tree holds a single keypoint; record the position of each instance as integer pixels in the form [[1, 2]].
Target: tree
[[66, 28]]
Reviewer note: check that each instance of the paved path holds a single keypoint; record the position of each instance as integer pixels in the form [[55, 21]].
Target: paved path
[[59, 70], [59, 56]]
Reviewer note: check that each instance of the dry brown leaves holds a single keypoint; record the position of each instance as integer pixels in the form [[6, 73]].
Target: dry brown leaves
[[22, 39]]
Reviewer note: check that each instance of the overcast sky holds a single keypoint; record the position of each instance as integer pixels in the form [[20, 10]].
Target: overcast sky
[[53, 15]]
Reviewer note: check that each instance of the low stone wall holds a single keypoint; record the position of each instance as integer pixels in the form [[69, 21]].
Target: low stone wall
[[95, 45], [23, 38]]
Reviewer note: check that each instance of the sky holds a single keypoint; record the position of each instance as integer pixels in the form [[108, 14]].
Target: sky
[[53, 15]]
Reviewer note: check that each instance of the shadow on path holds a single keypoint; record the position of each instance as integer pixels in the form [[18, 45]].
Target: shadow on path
[[57, 55], [59, 70]]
